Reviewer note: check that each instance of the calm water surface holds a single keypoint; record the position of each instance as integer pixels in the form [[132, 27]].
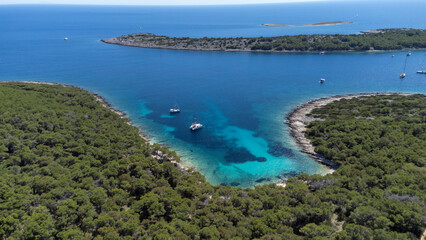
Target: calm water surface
[[241, 98]]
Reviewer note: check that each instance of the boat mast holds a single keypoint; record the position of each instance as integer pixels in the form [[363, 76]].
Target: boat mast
[[405, 65]]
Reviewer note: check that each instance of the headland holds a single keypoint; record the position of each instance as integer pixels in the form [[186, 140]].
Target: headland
[[298, 119]]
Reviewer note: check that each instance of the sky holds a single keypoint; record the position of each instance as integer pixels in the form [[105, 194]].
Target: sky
[[148, 2]]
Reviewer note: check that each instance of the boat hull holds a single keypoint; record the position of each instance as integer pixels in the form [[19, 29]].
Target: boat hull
[[195, 126]]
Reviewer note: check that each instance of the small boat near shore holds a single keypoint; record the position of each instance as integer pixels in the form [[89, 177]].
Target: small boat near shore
[[409, 54], [322, 80], [402, 75]]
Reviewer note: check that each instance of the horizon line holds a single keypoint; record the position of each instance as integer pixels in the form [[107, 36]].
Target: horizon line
[[167, 4]]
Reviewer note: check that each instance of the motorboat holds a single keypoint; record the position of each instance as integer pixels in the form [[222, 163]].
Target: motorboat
[[402, 75], [322, 80], [195, 126]]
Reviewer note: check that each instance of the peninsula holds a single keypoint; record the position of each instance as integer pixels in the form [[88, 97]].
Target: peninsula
[[300, 118], [326, 23], [380, 40]]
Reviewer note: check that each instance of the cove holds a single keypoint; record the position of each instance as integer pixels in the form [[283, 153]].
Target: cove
[[241, 98]]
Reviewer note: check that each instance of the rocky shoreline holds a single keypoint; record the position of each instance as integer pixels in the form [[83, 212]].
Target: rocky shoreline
[[297, 120], [369, 41], [116, 41]]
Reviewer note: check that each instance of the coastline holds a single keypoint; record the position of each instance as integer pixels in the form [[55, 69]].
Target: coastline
[[158, 154], [297, 120], [115, 41], [364, 41]]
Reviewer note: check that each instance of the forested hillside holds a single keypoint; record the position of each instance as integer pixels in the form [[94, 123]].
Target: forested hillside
[[72, 169]]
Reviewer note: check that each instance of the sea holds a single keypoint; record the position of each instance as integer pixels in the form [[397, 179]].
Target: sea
[[241, 98]]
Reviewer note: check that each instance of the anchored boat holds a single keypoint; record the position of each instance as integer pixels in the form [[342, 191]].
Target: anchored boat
[[322, 80], [405, 65], [422, 71], [195, 126], [176, 109]]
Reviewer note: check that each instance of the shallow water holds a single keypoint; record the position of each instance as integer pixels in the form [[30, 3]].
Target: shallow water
[[241, 98]]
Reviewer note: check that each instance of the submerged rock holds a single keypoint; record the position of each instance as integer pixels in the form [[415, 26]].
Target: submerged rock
[[277, 149], [241, 155], [262, 180], [286, 175], [233, 184]]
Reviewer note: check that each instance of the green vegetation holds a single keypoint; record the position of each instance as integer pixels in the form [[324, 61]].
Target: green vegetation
[[385, 39], [72, 169]]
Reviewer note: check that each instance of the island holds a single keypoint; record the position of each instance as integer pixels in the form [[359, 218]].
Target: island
[[379, 40], [71, 168], [326, 23]]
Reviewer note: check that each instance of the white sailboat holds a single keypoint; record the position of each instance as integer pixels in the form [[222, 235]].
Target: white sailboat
[[175, 109], [405, 65], [422, 71]]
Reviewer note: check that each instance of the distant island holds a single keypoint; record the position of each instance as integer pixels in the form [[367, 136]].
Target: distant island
[[326, 23], [377, 40]]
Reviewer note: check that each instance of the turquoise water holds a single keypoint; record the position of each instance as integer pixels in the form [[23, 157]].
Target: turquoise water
[[241, 98]]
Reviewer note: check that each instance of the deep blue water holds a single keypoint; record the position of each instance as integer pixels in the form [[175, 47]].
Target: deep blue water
[[241, 98]]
